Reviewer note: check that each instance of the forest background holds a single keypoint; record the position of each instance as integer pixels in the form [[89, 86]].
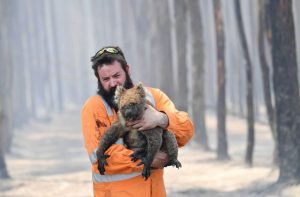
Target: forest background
[[232, 64]]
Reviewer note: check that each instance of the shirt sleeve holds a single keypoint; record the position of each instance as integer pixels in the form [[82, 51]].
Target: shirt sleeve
[[179, 122], [94, 124]]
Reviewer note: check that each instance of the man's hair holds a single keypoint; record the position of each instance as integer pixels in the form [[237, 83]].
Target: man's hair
[[106, 57]]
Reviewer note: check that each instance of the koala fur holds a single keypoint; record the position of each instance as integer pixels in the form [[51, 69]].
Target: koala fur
[[145, 144]]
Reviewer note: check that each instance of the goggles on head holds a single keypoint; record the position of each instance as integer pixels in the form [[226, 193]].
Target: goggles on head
[[108, 50]]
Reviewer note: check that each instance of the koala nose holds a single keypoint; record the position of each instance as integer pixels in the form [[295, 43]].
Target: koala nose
[[129, 113]]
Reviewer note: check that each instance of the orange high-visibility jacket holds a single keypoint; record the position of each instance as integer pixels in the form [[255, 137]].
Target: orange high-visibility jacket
[[122, 176]]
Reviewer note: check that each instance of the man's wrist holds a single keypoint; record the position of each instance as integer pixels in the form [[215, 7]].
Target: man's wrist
[[163, 121]]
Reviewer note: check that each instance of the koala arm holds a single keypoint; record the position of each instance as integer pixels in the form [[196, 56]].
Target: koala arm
[[179, 122], [112, 134], [94, 125]]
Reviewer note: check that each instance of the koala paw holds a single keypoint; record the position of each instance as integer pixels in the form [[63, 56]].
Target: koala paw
[[146, 172], [144, 162], [147, 168], [136, 155], [101, 163], [175, 163]]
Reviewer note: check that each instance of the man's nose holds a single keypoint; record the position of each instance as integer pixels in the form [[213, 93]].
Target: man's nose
[[113, 83]]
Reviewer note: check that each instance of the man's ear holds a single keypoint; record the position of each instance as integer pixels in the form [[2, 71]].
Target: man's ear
[[140, 89], [119, 91]]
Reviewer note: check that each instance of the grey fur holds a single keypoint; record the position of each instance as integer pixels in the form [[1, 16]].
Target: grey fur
[[145, 144]]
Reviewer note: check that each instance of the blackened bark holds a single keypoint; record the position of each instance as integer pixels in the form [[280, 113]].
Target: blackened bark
[[5, 85], [262, 33], [142, 27], [163, 53], [3, 170], [3, 122], [222, 148], [250, 111], [198, 103], [6, 77], [286, 89]]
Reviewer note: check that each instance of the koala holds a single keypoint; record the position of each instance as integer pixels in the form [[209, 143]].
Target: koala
[[145, 144]]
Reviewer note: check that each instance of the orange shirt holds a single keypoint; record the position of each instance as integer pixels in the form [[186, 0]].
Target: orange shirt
[[97, 117]]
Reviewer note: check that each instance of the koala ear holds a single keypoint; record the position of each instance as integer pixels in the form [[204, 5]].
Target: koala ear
[[140, 89], [119, 91]]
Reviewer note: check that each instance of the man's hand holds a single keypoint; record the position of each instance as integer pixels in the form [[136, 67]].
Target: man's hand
[[151, 119], [160, 160]]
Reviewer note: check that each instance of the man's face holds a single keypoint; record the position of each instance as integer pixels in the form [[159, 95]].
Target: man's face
[[111, 75]]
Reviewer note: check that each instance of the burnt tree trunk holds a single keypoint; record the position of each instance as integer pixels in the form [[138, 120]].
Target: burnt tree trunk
[[181, 39], [286, 89], [222, 149], [5, 85], [249, 92], [59, 97], [3, 169], [163, 47], [265, 70], [198, 103], [8, 35]]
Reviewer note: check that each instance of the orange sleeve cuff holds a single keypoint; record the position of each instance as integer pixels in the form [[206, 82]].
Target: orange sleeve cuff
[[181, 126], [179, 122]]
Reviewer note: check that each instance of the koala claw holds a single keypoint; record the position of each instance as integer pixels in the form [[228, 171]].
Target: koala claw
[[134, 159], [175, 163], [135, 156], [102, 163], [146, 172], [143, 162]]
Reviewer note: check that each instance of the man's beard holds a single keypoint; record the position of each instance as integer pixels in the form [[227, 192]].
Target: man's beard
[[109, 96]]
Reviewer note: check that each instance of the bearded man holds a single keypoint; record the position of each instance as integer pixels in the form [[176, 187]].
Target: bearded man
[[123, 176]]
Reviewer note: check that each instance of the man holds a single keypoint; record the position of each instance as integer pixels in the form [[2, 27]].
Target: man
[[123, 176]]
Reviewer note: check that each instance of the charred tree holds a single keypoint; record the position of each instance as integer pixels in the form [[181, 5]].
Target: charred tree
[[140, 9], [286, 89], [6, 81], [181, 39], [32, 56], [163, 48], [3, 111], [198, 103], [59, 96], [159, 47], [5, 86], [222, 148], [3, 169], [249, 85], [265, 71], [20, 109]]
